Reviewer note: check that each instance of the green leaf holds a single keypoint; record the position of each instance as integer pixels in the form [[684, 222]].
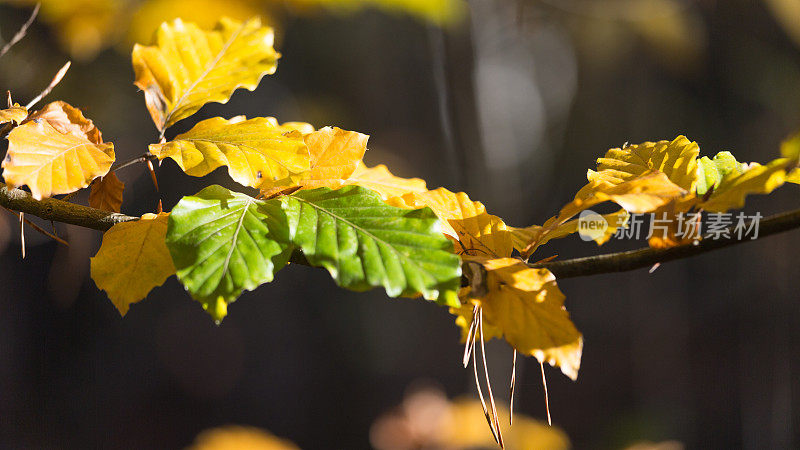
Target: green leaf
[[221, 243], [710, 172], [365, 243]]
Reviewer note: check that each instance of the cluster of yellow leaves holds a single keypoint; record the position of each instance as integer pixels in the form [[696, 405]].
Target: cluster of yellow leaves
[[660, 178], [55, 150]]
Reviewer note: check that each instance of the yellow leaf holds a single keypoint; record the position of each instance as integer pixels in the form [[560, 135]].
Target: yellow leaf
[[757, 179], [790, 147], [132, 260], [523, 236], [793, 176], [676, 159], [641, 194], [51, 162], [380, 180], [476, 231], [106, 193], [527, 306], [189, 67], [437, 11], [235, 437], [14, 114], [68, 120], [334, 154], [255, 150]]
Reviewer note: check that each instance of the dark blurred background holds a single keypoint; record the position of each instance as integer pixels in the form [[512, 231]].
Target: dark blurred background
[[509, 100]]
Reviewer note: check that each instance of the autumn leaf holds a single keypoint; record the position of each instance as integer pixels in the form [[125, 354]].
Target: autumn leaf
[[526, 305], [476, 231], [790, 147], [222, 243], [189, 67], [68, 120], [132, 260], [333, 156], [106, 193], [380, 180], [254, 150], [757, 179], [365, 243], [51, 162], [522, 236], [793, 176], [710, 172], [644, 193], [676, 159], [15, 114]]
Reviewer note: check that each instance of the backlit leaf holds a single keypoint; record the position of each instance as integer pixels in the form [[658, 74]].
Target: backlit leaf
[[676, 159], [132, 260], [380, 180], [365, 243], [526, 305], [68, 120], [50, 162], [334, 154], [641, 194], [219, 242], [522, 236], [476, 231], [757, 179], [106, 193], [710, 172], [14, 114], [254, 150], [189, 67]]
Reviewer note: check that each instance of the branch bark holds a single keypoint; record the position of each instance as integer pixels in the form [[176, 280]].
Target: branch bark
[[84, 216]]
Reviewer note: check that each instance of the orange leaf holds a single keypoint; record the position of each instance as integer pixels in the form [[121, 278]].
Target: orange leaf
[[106, 193]]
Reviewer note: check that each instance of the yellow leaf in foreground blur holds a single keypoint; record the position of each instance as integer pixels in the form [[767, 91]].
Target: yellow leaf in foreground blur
[[757, 179], [477, 232], [334, 154], [68, 120], [14, 114], [380, 180], [255, 150], [106, 193], [437, 11], [205, 13], [793, 176], [787, 13], [676, 159], [132, 260], [526, 305], [235, 437], [523, 236], [51, 162], [189, 67], [642, 194]]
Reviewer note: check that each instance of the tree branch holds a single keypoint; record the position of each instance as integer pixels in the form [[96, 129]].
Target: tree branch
[[637, 259], [61, 211]]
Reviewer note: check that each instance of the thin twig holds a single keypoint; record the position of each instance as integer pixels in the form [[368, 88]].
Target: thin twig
[[495, 414], [22, 232], [480, 392], [511, 389], [56, 79], [546, 396], [139, 159], [40, 229], [22, 31]]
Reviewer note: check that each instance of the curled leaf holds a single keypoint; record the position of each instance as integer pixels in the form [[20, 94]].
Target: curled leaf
[[68, 120], [15, 114], [380, 180]]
